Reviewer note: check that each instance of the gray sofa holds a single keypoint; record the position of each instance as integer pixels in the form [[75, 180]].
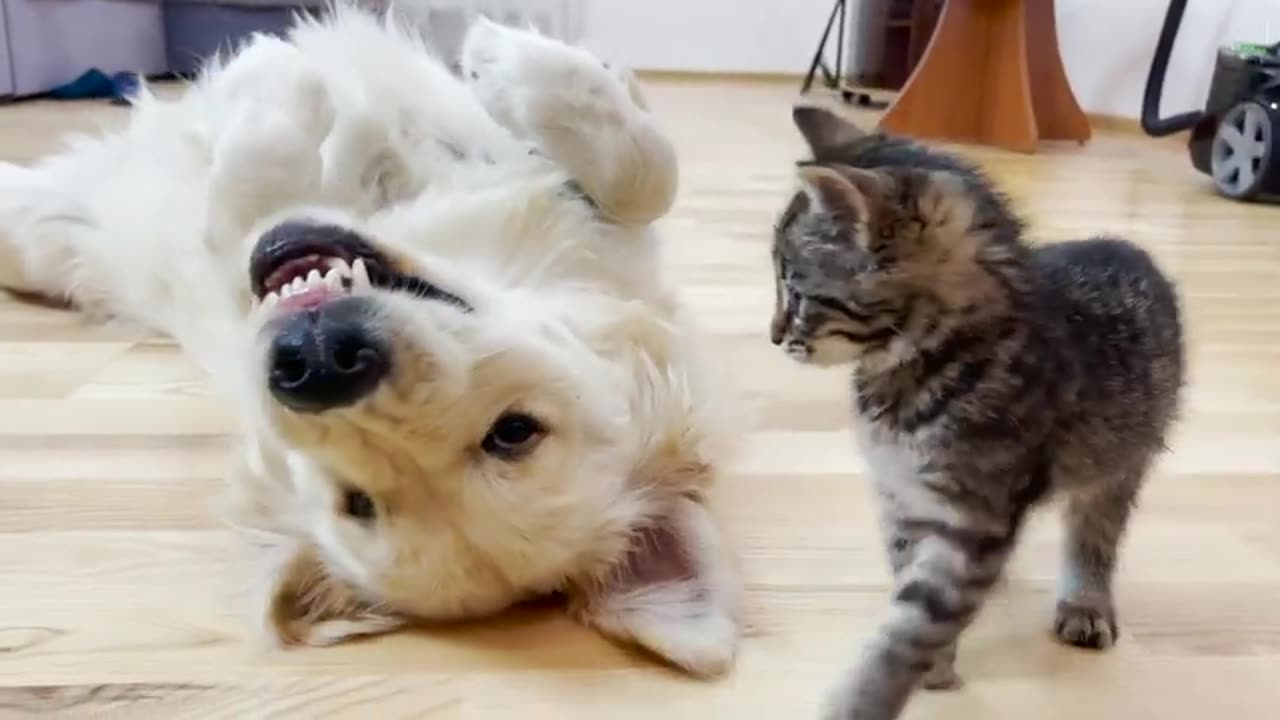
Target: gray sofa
[[49, 42], [46, 43], [196, 29]]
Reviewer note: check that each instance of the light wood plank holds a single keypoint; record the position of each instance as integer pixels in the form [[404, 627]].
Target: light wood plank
[[121, 594]]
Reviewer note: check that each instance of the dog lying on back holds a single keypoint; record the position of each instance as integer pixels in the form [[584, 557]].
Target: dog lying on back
[[436, 303]]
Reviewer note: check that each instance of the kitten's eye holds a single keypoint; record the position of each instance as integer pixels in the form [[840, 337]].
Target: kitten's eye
[[512, 435], [358, 505]]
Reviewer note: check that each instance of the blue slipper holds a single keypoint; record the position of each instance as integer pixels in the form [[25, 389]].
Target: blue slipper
[[96, 84]]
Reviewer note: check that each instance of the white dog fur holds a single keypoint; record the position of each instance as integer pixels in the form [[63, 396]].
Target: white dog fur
[[528, 187]]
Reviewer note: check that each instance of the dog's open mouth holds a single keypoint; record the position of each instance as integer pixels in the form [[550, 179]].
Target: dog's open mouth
[[299, 265], [312, 280]]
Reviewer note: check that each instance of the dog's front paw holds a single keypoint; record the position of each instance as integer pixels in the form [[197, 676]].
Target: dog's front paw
[[586, 117], [267, 155], [528, 81], [271, 77]]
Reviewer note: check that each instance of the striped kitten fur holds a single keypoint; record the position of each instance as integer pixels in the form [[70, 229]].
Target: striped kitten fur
[[988, 377]]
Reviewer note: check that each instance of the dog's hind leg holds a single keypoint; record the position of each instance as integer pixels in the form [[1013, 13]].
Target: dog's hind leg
[[38, 231]]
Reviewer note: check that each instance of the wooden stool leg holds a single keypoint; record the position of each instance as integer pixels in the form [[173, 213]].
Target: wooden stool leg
[[972, 85], [1057, 113]]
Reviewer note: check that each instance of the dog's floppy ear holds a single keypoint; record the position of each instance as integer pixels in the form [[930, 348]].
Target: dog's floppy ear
[[674, 587], [300, 601], [306, 605], [676, 593], [589, 119]]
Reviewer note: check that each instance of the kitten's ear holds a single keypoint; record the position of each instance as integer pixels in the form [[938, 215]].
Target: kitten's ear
[[822, 129], [676, 593], [307, 605], [852, 193]]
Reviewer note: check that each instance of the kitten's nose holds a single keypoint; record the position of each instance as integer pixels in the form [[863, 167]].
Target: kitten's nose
[[327, 357]]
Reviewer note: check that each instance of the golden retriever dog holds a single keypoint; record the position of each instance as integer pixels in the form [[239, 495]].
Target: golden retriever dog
[[435, 301]]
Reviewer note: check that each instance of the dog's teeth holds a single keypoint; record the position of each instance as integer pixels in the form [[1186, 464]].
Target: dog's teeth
[[360, 274], [297, 284], [270, 300], [313, 277], [333, 278], [341, 266]]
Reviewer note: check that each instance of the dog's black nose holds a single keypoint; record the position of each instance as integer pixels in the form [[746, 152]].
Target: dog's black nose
[[327, 357]]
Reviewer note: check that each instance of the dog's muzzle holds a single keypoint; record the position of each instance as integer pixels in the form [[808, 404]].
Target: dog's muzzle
[[327, 357]]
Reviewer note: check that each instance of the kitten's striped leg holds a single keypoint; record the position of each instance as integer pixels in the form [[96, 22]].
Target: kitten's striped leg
[[900, 546], [1095, 522], [941, 590]]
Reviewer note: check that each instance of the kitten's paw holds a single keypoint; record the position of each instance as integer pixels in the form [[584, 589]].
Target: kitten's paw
[[1085, 626], [942, 677]]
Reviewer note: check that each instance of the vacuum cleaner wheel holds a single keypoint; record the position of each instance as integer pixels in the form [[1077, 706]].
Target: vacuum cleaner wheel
[[1241, 150]]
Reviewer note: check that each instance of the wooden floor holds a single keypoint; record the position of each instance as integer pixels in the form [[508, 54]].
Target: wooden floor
[[119, 591]]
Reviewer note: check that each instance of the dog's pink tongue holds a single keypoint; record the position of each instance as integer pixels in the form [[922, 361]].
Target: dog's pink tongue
[[310, 297]]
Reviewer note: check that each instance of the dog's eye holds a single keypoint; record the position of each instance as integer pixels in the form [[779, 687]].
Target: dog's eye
[[512, 435], [358, 505]]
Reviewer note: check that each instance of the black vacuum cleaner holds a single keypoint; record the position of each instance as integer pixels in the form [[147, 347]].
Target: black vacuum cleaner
[[1233, 139]]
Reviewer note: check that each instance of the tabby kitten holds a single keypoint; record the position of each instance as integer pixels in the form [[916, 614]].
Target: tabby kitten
[[988, 376]]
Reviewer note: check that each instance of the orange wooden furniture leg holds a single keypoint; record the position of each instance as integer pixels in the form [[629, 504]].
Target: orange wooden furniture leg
[[972, 85], [1058, 115]]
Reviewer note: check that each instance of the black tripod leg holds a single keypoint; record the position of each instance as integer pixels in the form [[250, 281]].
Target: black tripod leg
[[840, 7], [822, 44]]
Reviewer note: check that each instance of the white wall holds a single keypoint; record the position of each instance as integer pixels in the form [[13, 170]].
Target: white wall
[[1107, 47], [1106, 44], [735, 36]]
